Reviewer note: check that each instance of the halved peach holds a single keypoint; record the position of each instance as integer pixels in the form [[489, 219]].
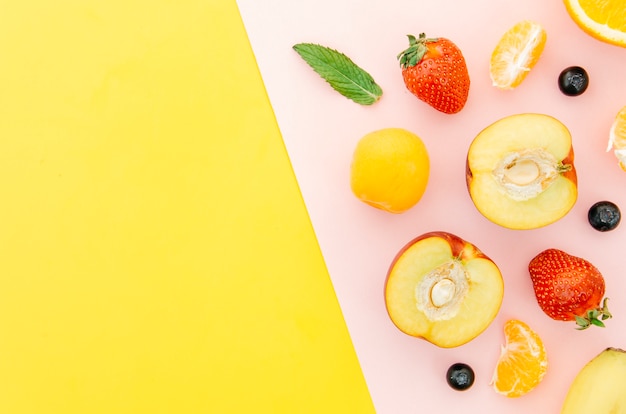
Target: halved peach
[[443, 289], [520, 171]]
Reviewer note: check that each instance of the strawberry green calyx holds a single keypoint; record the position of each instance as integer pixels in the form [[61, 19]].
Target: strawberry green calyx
[[594, 317], [416, 50]]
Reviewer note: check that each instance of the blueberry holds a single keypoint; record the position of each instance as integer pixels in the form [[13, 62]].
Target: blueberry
[[460, 376], [604, 216], [573, 81]]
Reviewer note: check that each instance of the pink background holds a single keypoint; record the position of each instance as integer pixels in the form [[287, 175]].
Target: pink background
[[320, 129]]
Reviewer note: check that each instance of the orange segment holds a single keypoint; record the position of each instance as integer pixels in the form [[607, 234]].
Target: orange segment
[[605, 20], [617, 138], [516, 53], [522, 363]]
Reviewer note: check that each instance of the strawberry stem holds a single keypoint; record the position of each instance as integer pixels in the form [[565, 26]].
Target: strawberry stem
[[594, 316], [415, 52]]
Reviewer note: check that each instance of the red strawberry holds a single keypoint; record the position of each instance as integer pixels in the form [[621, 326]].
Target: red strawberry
[[434, 70], [569, 288]]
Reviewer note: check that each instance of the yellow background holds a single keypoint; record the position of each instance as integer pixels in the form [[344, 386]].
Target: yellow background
[[155, 254]]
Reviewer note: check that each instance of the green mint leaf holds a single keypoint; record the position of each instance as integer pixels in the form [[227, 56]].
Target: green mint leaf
[[341, 73]]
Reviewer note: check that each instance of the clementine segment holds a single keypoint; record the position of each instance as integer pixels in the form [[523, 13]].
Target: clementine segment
[[522, 363], [617, 138], [516, 54]]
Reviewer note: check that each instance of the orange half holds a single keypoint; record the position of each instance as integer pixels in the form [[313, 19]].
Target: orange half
[[605, 20], [516, 54], [523, 361]]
